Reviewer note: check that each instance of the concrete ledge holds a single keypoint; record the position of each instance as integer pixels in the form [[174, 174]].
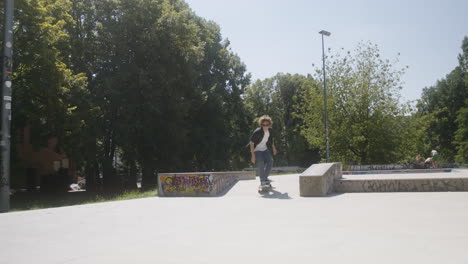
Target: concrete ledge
[[199, 184], [376, 167], [410, 171], [318, 179], [293, 169], [245, 175], [402, 185]]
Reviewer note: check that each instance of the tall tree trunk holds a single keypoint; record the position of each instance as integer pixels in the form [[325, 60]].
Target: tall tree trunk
[[92, 166], [131, 177], [149, 179], [92, 177], [112, 182]]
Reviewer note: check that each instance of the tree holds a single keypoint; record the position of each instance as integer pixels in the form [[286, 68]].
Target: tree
[[219, 119], [47, 92], [83, 51], [130, 85], [366, 119], [442, 104], [145, 58], [461, 135], [167, 88]]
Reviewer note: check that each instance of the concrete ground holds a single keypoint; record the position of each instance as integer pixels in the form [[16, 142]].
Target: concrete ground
[[244, 227]]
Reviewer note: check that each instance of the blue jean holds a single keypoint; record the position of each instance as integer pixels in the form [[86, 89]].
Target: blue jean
[[264, 162]]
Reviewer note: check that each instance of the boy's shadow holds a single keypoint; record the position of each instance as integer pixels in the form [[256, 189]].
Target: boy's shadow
[[273, 194]]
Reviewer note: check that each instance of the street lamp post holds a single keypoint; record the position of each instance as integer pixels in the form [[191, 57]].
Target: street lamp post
[[7, 75], [326, 33]]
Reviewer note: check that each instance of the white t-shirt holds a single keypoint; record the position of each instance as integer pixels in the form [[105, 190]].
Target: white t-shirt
[[262, 146]]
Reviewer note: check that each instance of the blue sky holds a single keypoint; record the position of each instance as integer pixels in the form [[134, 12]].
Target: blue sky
[[274, 36]]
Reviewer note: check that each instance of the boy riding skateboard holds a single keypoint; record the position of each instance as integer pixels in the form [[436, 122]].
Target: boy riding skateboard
[[261, 142]]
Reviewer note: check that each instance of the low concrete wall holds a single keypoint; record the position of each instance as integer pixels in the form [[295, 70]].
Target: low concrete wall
[[294, 169], [405, 166], [199, 184], [318, 179], [411, 171], [246, 175], [377, 167], [402, 185]]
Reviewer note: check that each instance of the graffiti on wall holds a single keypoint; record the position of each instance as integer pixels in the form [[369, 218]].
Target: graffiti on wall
[[377, 167], [187, 184], [211, 184], [403, 185]]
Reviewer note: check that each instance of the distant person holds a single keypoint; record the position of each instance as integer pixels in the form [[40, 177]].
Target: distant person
[[419, 159], [261, 142], [419, 162], [428, 163], [435, 158]]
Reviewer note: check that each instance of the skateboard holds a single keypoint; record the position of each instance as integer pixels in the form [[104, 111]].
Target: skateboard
[[265, 189]]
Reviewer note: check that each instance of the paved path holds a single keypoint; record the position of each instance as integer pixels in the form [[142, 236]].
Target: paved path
[[243, 227]]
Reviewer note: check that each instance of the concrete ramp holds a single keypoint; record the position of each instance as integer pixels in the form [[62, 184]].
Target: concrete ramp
[[285, 187]]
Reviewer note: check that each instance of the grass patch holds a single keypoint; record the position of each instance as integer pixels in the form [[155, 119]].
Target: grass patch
[[33, 201]]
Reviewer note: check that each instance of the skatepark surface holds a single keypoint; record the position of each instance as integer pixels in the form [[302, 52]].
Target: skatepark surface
[[245, 227]]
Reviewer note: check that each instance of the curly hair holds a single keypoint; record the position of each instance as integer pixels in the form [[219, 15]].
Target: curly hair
[[265, 118]]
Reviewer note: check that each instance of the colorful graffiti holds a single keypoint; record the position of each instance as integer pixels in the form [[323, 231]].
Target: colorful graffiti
[[197, 184], [187, 184]]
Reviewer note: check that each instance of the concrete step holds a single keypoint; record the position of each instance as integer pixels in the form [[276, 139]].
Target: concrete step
[[453, 181]]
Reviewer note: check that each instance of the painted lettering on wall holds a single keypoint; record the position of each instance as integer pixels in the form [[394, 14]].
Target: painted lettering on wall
[[197, 184], [378, 167], [187, 184]]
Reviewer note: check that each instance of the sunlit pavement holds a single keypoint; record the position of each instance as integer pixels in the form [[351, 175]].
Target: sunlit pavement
[[244, 227]]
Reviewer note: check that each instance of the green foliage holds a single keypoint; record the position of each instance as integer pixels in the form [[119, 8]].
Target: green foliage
[[367, 123], [47, 91], [146, 80], [168, 88], [461, 135], [442, 104], [463, 57]]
